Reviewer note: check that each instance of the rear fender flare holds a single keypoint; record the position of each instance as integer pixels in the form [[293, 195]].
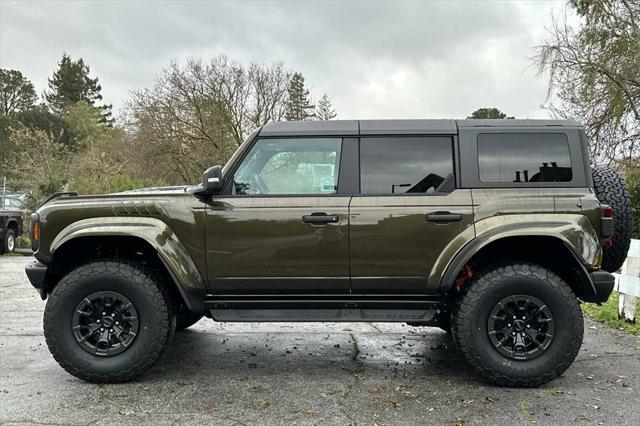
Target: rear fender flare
[[574, 231]]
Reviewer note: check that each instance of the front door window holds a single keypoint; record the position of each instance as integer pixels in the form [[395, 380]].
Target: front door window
[[292, 166]]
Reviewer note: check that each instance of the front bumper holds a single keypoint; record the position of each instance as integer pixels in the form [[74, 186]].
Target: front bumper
[[37, 274], [603, 283]]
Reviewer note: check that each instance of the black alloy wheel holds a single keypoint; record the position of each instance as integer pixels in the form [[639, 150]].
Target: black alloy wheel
[[521, 327], [105, 323]]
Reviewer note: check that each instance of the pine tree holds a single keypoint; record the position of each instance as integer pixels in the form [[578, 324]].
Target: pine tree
[[299, 106], [324, 110], [70, 84]]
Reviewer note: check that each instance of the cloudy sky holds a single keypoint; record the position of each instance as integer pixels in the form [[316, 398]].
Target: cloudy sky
[[374, 59]]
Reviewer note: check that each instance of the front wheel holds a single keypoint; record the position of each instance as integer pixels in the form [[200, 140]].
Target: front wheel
[[518, 325], [108, 321]]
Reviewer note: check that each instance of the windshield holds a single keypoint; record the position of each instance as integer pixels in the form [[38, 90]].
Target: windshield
[[11, 203], [239, 151]]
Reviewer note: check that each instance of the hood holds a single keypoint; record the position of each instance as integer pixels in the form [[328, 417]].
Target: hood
[[156, 189], [73, 197]]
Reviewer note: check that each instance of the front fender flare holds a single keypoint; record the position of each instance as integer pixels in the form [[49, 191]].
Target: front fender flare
[[156, 233]]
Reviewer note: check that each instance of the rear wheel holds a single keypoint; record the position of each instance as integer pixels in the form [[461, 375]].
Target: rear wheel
[[108, 321], [611, 189], [518, 325]]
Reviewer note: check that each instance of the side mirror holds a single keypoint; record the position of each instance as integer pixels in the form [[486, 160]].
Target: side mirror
[[212, 180]]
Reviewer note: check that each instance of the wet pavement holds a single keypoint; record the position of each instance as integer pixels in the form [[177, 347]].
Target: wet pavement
[[304, 373]]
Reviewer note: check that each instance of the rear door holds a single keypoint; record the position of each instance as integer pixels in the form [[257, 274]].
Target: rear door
[[408, 211]]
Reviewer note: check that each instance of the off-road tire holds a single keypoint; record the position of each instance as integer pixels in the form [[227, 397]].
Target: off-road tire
[[484, 291], [146, 293], [4, 244], [185, 319], [611, 189]]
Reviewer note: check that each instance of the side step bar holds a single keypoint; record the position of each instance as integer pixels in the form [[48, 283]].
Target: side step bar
[[323, 308]]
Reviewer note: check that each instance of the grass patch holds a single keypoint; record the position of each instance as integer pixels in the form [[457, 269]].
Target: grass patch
[[608, 314]]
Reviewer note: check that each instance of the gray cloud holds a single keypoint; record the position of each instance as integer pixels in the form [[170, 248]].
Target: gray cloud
[[374, 59]]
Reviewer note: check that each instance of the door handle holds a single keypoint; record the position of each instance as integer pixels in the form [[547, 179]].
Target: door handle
[[320, 218], [443, 217]]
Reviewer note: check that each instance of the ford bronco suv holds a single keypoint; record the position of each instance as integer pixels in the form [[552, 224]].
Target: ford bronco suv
[[494, 230]]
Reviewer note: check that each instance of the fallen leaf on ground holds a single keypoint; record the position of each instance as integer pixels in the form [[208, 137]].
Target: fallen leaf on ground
[[265, 403], [404, 390], [127, 412], [394, 403], [308, 411], [376, 389], [207, 408]]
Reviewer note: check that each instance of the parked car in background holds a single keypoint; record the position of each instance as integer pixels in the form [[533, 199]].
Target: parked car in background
[[10, 229], [12, 201]]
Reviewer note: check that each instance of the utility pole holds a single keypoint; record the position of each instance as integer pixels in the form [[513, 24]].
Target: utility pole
[[4, 190]]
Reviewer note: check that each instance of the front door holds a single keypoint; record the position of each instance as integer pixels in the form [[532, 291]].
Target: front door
[[283, 228], [407, 213]]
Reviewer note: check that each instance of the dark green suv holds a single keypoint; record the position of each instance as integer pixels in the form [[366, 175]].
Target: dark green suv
[[494, 230]]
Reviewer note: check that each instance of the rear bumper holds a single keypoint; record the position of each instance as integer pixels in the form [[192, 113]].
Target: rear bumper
[[37, 273], [603, 283]]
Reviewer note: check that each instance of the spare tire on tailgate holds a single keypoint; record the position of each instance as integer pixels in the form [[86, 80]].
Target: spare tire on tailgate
[[611, 190]]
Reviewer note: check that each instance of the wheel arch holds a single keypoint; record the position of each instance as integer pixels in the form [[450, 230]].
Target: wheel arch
[[13, 224], [550, 251], [146, 240]]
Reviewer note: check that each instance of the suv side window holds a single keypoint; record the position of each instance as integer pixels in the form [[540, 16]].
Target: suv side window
[[404, 164], [524, 157], [292, 166]]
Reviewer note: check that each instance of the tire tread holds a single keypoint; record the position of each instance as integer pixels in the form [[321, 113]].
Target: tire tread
[[156, 293], [611, 189], [476, 290]]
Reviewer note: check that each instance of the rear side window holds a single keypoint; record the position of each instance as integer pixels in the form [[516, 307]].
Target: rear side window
[[404, 164], [524, 157]]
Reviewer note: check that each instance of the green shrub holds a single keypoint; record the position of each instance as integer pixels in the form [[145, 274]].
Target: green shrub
[[607, 313]]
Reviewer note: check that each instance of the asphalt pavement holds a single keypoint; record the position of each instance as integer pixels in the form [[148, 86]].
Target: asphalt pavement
[[304, 373]]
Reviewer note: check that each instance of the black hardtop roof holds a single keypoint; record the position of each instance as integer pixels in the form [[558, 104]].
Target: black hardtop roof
[[397, 127]]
